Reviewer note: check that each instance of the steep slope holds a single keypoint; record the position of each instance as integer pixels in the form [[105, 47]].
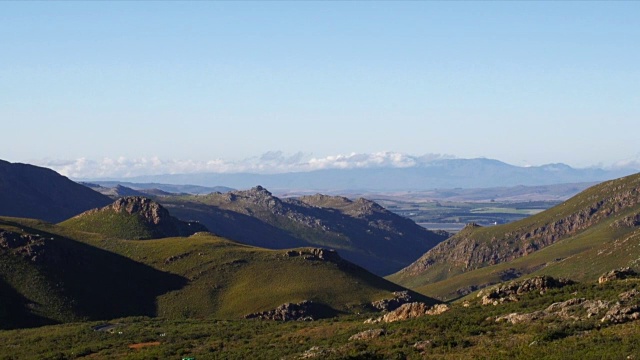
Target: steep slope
[[362, 231], [596, 226], [115, 192], [133, 217], [36, 192], [57, 274], [47, 278]]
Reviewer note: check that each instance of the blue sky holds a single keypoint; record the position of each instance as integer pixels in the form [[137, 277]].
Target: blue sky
[[195, 82]]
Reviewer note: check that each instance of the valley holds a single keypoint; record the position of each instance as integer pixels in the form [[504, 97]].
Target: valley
[[160, 275]]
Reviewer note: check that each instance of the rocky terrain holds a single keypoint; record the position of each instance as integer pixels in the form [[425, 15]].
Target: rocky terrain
[[624, 309], [303, 311], [612, 206], [361, 230], [510, 291], [134, 217]]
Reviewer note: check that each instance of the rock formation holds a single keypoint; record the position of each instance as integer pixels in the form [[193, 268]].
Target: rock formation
[[509, 292]]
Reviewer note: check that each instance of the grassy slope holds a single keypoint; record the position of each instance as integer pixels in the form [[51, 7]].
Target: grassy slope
[[461, 333], [352, 228], [111, 223], [584, 254], [229, 280], [583, 257], [199, 276]]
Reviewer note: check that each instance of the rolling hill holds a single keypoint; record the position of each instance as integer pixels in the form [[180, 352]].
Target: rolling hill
[[361, 230], [54, 274], [133, 217], [35, 192], [592, 232]]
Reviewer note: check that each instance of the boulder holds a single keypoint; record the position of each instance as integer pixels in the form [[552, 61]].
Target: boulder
[[617, 274], [399, 298], [510, 292], [302, 311], [620, 313], [368, 334], [410, 311]]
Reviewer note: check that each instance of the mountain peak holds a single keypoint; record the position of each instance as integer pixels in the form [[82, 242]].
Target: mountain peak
[[145, 207], [133, 217]]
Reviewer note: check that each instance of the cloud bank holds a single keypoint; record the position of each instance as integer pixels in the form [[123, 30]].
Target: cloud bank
[[268, 163], [272, 162]]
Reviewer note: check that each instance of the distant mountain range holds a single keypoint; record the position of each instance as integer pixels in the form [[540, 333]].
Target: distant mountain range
[[441, 173], [126, 188]]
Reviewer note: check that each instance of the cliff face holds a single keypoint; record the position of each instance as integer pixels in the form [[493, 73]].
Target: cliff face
[[476, 247]]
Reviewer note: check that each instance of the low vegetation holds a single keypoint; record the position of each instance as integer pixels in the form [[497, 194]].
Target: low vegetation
[[468, 330], [60, 274]]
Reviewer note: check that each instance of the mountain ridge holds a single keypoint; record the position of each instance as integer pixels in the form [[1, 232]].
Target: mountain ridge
[[441, 173], [598, 217], [36, 192], [363, 231]]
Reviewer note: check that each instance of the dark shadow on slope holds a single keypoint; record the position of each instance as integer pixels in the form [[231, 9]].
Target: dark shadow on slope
[[382, 251], [237, 227], [101, 284], [15, 312], [381, 283]]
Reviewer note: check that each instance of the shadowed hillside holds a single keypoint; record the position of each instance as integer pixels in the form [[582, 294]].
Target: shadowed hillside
[[55, 274], [48, 278], [35, 192], [361, 230]]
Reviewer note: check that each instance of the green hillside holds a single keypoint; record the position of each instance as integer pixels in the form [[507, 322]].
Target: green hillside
[[561, 323], [55, 274], [49, 277], [361, 230], [132, 217], [593, 232]]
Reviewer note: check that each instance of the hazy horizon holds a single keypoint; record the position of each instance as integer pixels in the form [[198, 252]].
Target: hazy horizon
[[274, 162]]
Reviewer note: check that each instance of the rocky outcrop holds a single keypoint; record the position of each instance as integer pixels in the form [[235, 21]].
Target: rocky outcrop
[[317, 352], [511, 291], [399, 298], [32, 247], [410, 311], [368, 335], [617, 274], [152, 220], [627, 309], [474, 247], [148, 209], [572, 309], [302, 311], [315, 254], [628, 221]]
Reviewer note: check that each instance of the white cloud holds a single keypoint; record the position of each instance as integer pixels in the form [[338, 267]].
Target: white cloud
[[270, 162]]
